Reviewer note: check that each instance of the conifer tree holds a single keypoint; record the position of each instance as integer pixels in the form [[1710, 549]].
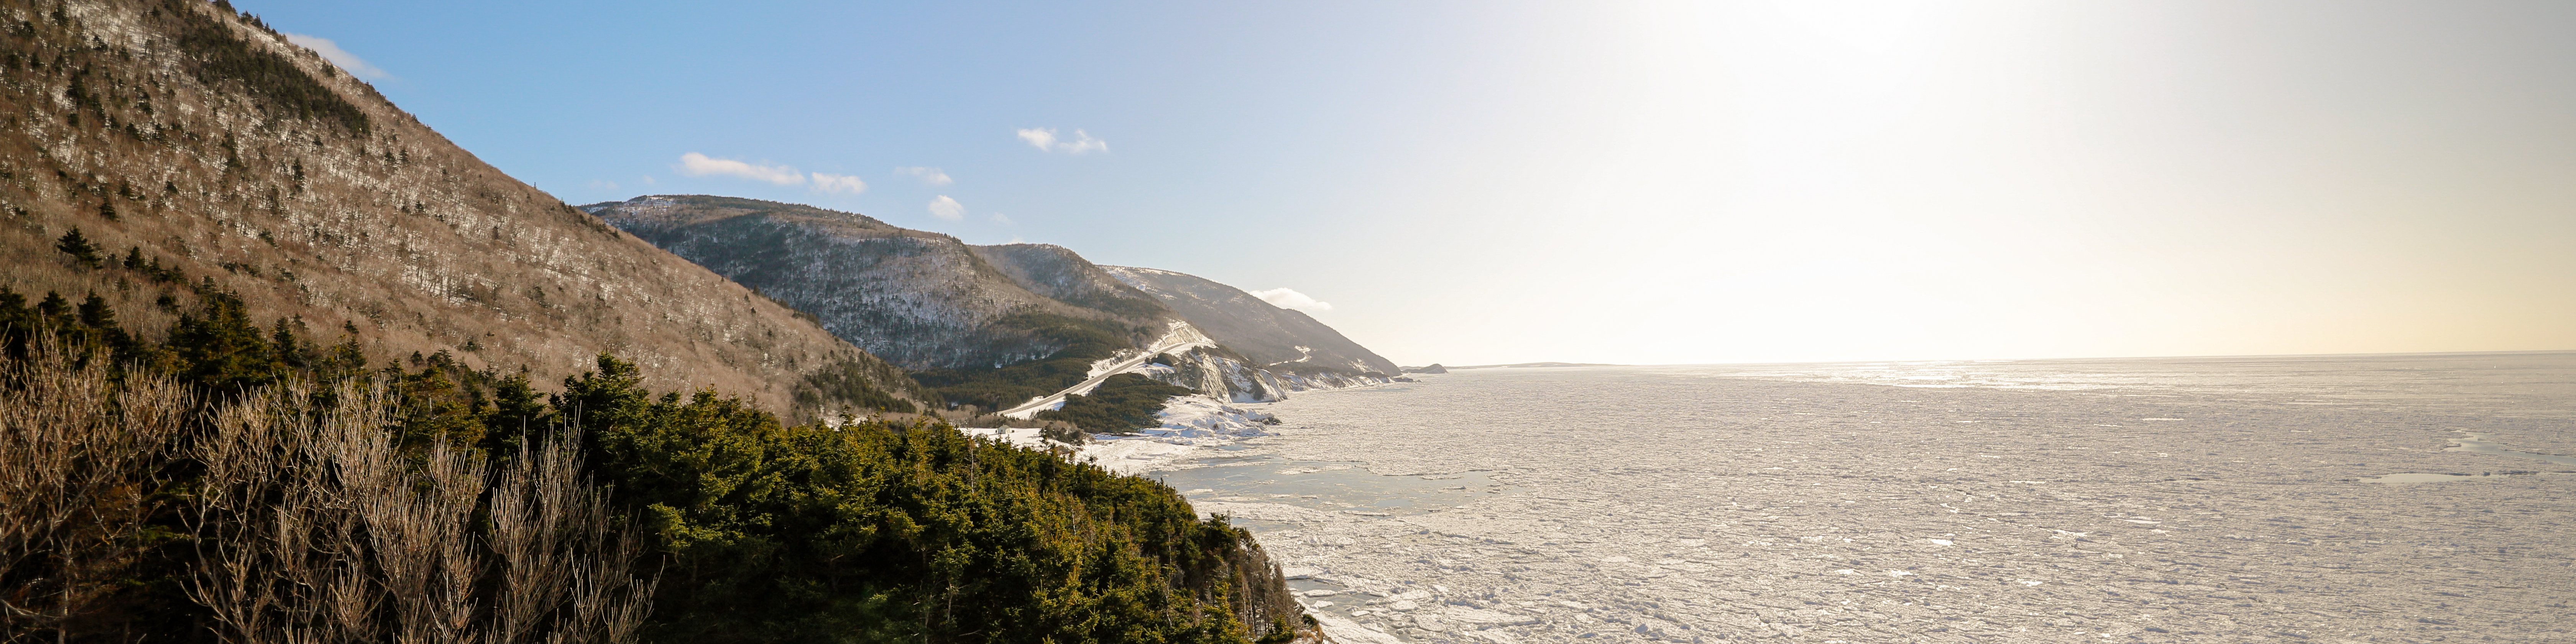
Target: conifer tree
[[17, 322], [600, 399], [54, 311], [79, 247], [95, 313], [516, 413], [222, 350], [292, 352]]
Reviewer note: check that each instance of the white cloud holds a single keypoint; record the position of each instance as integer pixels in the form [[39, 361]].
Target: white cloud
[[841, 183], [1288, 298], [928, 176], [1045, 138], [1041, 137], [603, 184], [698, 165], [331, 51], [1083, 143], [1006, 221], [946, 208]]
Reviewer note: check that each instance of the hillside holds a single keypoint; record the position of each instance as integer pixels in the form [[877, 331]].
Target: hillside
[[922, 300], [995, 326], [1276, 338], [1056, 272], [204, 154]]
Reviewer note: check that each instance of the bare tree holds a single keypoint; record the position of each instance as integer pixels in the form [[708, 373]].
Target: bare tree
[[321, 529], [80, 456]]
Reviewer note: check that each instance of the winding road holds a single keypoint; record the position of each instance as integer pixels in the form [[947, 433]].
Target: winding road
[[1183, 338]]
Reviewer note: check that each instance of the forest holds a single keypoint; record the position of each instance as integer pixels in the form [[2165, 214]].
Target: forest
[[242, 482]]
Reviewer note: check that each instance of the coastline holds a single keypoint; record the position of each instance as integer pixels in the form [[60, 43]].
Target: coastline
[[1192, 427]]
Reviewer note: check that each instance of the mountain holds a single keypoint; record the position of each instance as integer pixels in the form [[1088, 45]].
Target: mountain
[[203, 154], [1056, 272], [922, 300], [1275, 338], [995, 326]]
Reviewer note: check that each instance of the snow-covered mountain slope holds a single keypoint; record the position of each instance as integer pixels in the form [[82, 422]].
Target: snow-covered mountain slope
[[922, 300], [1278, 339]]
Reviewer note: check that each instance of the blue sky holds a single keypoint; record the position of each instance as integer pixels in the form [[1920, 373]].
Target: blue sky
[[1612, 182]]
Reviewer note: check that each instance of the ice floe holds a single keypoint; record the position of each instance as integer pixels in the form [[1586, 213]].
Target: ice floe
[[1828, 511]]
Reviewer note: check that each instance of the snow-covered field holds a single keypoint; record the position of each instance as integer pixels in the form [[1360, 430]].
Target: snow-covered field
[[2054, 502]]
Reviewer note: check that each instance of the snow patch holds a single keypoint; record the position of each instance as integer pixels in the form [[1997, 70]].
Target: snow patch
[[1189, 424], [1180, 336]]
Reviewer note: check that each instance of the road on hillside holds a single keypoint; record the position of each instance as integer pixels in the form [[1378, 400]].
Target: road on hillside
[[1049, 401]]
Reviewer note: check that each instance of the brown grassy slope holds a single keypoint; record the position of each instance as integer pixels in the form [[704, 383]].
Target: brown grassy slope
[[236, 157]]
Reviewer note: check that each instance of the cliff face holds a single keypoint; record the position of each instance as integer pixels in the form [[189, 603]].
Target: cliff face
[[1274, 338], [922, 300], [179, 133]]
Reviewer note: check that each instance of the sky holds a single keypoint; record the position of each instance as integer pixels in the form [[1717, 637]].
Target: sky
[[1618, 182]]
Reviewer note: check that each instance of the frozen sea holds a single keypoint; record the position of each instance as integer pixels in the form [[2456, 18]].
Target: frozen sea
[[2380, 498]]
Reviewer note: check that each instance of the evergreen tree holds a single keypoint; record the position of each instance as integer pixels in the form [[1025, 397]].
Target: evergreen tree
[[82, 251], [17, 322], [220, 349], [435, 407], [343, 360], [54, 312], [95, 314], [601, 399], [516, 414], [292, 352]]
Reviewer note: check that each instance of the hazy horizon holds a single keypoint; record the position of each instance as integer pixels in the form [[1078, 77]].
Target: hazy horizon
[[2052, 359], [1635, 183]]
